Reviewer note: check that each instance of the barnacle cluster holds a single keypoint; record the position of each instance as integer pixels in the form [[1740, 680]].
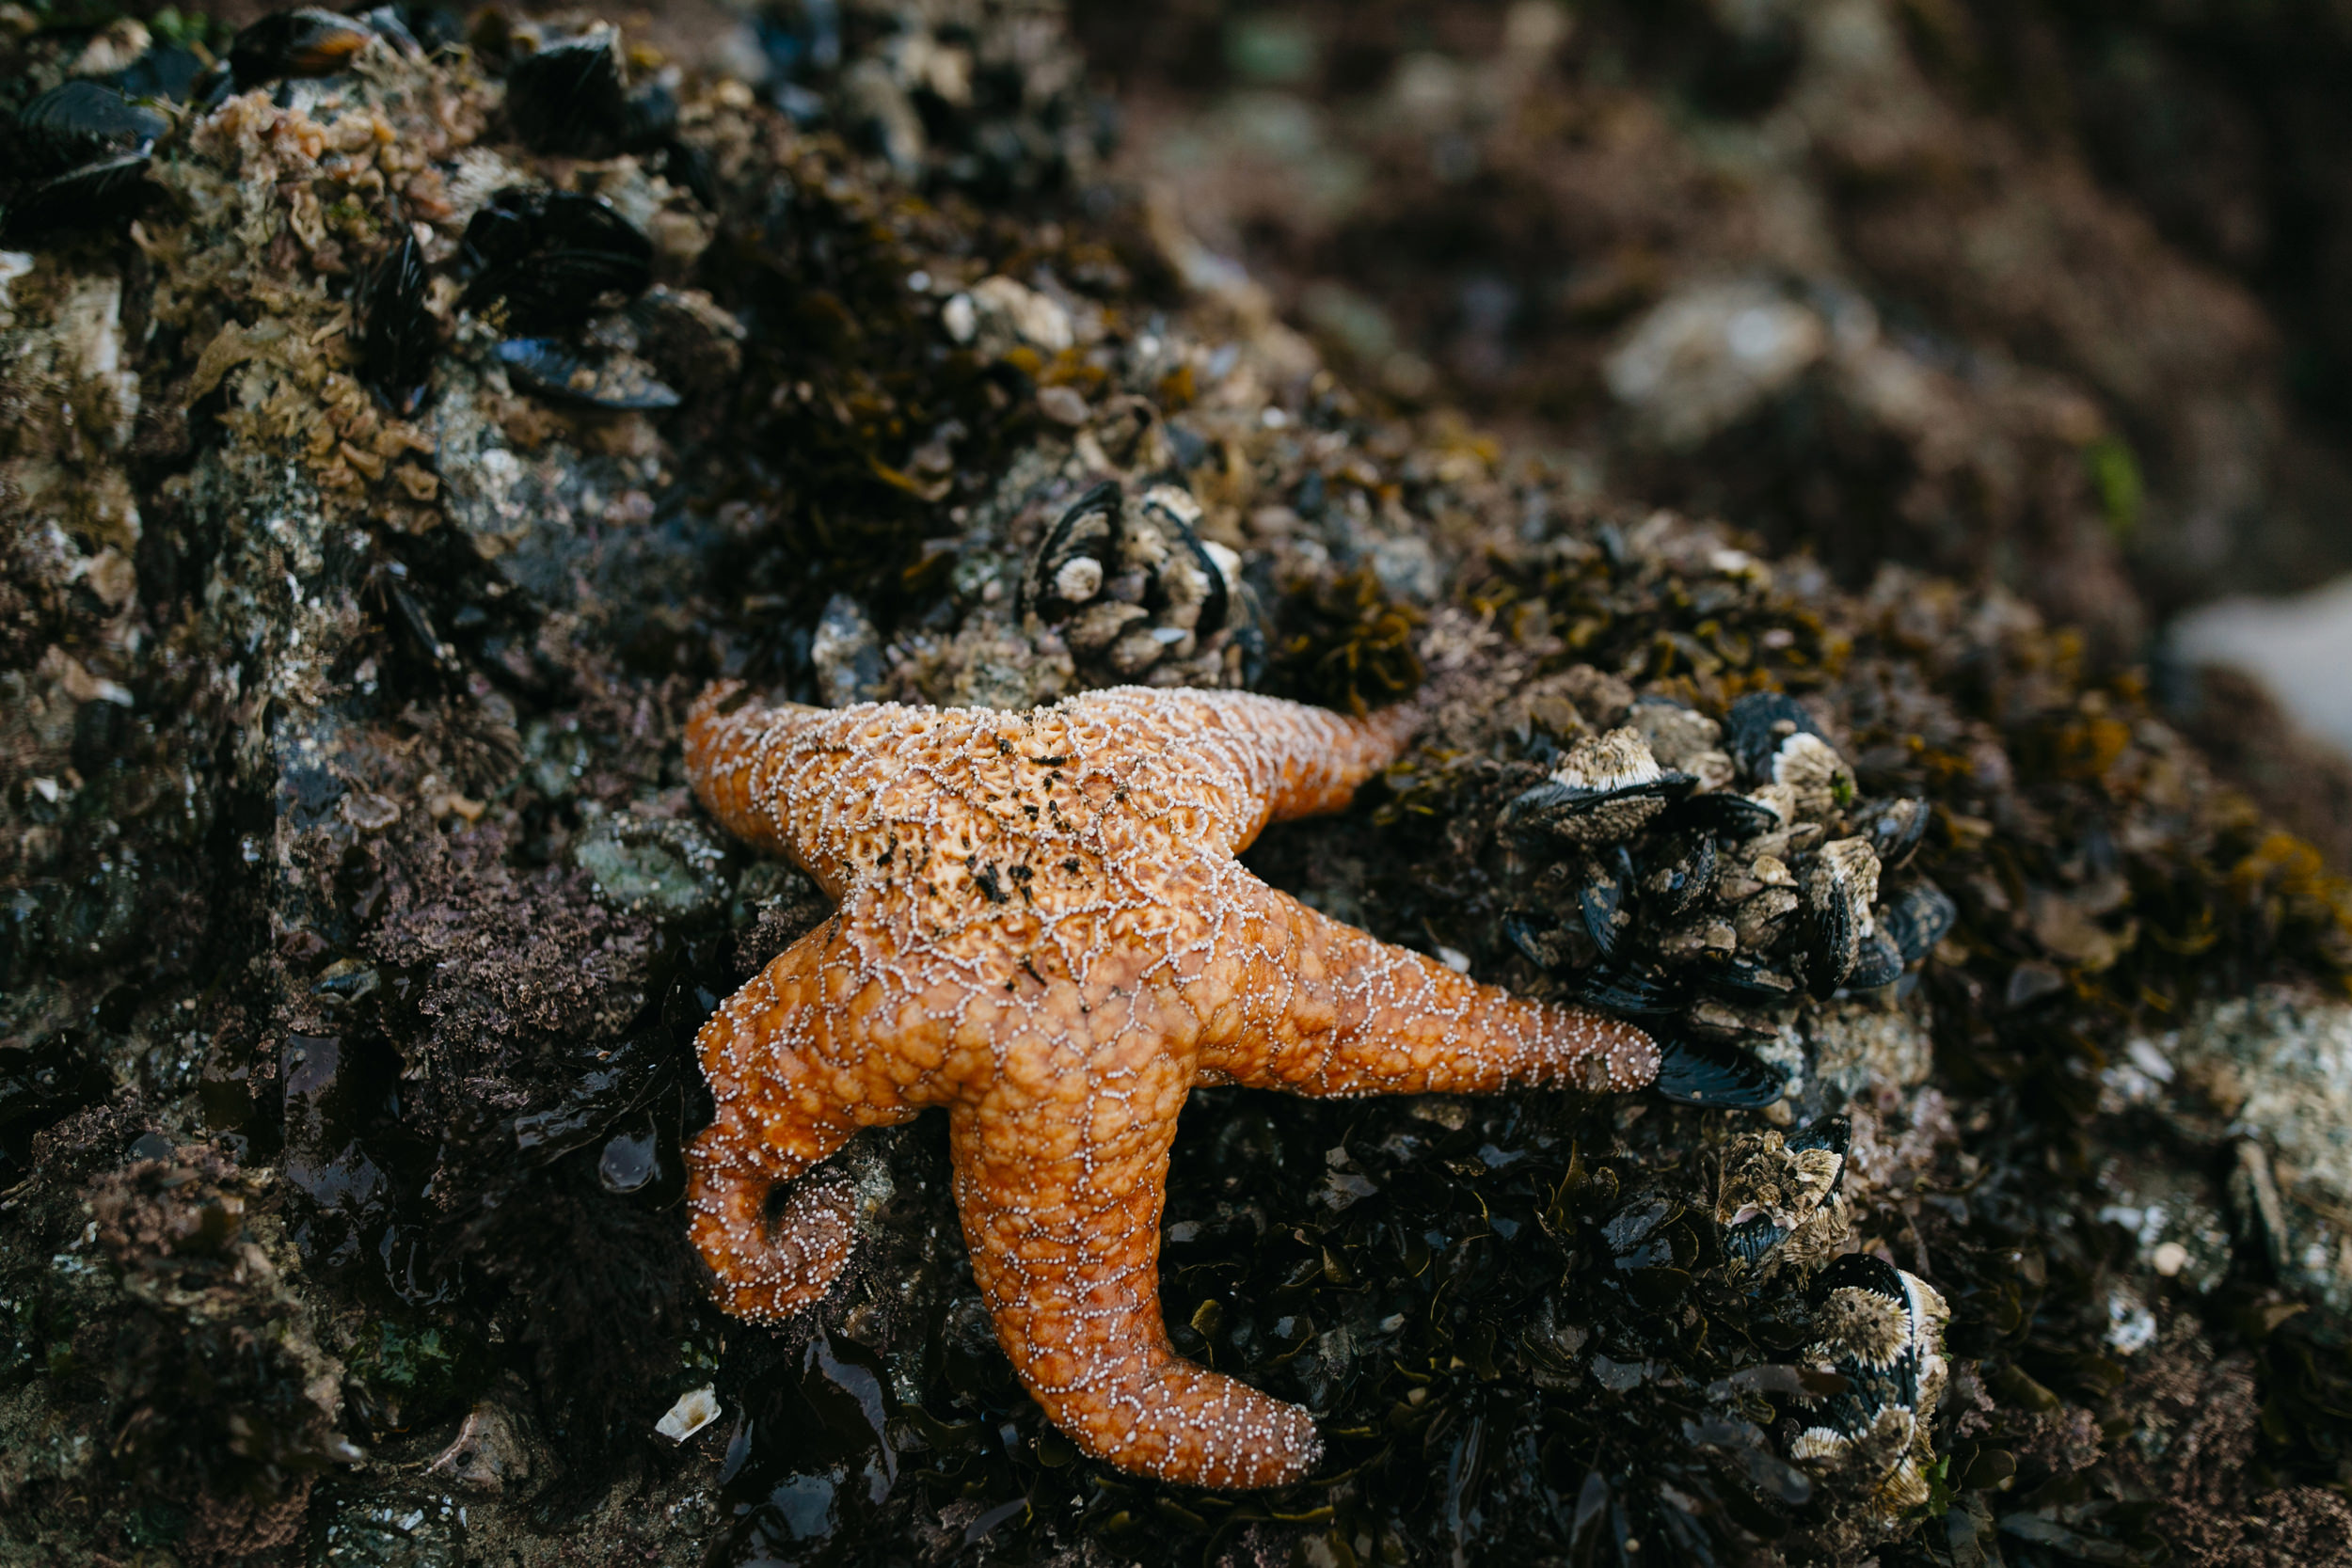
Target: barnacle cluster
[[1670, 892], [1135, 592]]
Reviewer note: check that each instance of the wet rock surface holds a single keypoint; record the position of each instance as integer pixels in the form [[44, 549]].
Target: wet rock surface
[[356, 923]]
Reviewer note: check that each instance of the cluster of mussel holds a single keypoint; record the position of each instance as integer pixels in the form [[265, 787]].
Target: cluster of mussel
[[1702, 878], [545, 267], [557, 271], [561, 274], [1875, 1330], [80, 152], [1131, 588]]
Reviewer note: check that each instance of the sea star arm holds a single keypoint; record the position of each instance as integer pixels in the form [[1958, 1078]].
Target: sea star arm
[[770, 774], [727, 733], [1060, 1200], [1263, 759], [1323, 1008], [782, 1109]]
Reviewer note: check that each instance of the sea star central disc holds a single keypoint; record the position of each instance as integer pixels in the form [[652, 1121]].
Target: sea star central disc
[[1042, 926]]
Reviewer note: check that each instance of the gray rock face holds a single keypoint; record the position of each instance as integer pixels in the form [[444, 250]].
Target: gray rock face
[[2270, 1074]]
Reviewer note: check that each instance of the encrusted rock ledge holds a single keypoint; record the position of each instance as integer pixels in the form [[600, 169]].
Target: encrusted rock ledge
[[358, 921]]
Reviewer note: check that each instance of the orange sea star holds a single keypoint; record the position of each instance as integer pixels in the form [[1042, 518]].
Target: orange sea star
[[1042, 926]]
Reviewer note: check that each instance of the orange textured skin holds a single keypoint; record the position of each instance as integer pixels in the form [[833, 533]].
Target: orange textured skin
[[1042, 926]]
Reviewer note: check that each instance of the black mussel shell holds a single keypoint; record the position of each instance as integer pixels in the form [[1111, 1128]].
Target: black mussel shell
[[399, 336], [97, 196], [1882, 1371], [1837, 890], [1631, 991], [550, 258], [167, 71], [1112, 563], [1088, 530], [392, 26], [1745, 979], [1718, 1020], [432, 26], [1877, 962], [1583, 816], [1752, 1238], [1833, 1133], [1537, 935], [1756, 727], [1600, 899], [82, 122], [556, 369], [1721, 812], [1712, 1073], [650, 117], [1862, 1271], [569, 96], [1895, 829], [572, 96], [305, 43], [689, 167], [1166, 505], [1917, 919], [1676, 873]]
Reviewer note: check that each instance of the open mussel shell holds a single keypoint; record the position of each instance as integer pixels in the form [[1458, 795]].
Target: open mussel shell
[[397, 333], [1716, 1075], [1757, 727], [547, 260], [618, 382], [81, 122], [102, 196], [1880, 1330], [305, 43], [1127, 579]]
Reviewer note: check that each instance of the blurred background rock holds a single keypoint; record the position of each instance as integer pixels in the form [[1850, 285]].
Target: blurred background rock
[[2055, 293]]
